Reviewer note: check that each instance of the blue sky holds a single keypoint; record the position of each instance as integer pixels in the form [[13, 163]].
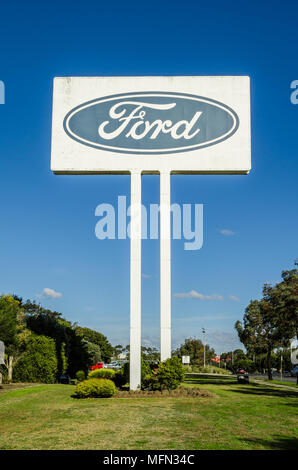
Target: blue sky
[[47, 235]]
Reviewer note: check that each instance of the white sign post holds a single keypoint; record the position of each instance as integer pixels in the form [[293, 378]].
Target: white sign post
[[185, 360], [150, 125]]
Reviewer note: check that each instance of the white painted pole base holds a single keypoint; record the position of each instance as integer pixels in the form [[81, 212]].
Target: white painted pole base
[[135, 281], [165, 266]]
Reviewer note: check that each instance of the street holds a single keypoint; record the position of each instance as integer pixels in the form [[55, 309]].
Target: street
[[286, 378]]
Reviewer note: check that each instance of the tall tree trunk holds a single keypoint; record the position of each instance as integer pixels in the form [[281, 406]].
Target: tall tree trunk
[[9, 367], [269, 366]]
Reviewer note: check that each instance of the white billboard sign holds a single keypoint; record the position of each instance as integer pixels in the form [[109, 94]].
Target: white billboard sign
[[185, 359], [183, 125], [147, 125]]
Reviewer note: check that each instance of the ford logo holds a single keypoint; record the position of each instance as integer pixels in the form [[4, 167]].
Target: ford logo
[[151, 123]]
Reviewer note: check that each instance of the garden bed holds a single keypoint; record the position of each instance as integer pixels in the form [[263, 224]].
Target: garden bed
[[180, 392]]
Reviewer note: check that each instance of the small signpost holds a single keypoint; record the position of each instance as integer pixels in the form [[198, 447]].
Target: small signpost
[[185, 360], [151, 125]]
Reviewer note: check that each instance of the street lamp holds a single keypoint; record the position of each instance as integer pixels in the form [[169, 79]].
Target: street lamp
[[204, 344]]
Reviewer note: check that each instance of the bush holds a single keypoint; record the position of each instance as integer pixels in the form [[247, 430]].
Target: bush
[[102, 374], [80, 375], [167, 376], [96, 388], [145, 371], [39, 362], [119, 378]]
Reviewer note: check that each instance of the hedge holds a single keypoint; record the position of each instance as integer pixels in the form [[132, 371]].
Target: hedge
[[102, 374], [39, 361], [95, 388]]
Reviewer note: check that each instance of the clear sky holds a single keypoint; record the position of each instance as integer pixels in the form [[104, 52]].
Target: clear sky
[[47, 235]]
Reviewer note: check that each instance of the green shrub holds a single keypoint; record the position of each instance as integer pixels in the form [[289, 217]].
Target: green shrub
[[80, 375], [125, 371], [96, 388], [102, 374], [119, 378], [39, 362], [145, 371], [167, 376]]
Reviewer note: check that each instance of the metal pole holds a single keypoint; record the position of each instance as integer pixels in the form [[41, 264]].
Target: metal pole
[[135, 280], [165, 265], [204, 344], [281, 359]]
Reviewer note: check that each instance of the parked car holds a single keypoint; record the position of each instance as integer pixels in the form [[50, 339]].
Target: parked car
[[98, 365], [294, 371], [114, 365], [242, 376], [65, 379]]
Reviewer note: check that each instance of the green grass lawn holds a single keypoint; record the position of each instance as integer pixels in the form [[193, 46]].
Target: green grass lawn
[[282, 382], [238, 417]]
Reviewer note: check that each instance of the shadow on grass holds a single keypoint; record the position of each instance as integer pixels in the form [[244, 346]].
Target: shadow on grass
[[251, 389], [279, 443], [256, 389], [210, 380]]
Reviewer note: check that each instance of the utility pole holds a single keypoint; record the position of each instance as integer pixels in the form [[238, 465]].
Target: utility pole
[[204, 344]]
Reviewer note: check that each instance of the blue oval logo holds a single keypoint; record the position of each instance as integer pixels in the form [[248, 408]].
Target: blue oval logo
[[151, 123]]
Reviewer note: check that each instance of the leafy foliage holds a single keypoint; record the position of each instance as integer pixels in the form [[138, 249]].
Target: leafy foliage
[[102, 374], [96, 338], [194, 348], [9, 309], [80, 375], [94, 352], [119, 378], [13, 331], [68, 344], [96, 388], [271, 322], [167, 376], [39, 362]]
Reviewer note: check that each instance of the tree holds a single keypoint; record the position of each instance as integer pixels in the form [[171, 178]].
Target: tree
[[150, 354], [39, 362], [283, 301], [71, 349], [95, 337], [194, 348], [117, 350], [271, 322], [13, 330], [258, 333], [94, 352]]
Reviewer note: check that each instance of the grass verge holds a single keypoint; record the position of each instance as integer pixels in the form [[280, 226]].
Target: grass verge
[[237, 416]]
